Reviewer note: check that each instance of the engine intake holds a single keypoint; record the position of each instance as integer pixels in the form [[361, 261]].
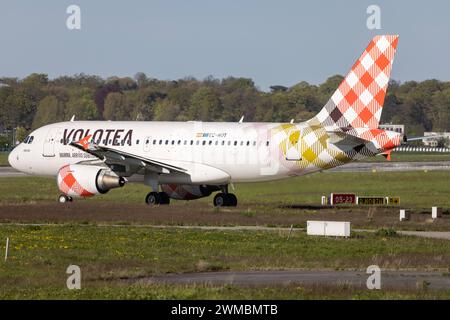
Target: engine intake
[[78, 180]]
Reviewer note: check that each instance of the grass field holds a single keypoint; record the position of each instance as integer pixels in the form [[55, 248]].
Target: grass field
[[416, 189], [111, 257], [4, 159]]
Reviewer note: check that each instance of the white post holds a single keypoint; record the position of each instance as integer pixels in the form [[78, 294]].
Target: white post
[[7, 249], [324, 200], [436, 212], [404, 215]]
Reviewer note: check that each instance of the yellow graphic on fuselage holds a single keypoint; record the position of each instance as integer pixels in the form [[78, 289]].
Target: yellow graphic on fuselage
[[313, 144]]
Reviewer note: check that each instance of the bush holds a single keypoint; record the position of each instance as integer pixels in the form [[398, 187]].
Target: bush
[[386, 232]]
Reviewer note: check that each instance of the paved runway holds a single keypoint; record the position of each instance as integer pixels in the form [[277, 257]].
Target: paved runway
[[393, 166], [397, 279], [351, 167], [10, 172]]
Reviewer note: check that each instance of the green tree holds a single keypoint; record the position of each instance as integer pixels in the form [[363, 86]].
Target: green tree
[[441, 110], [165, 110], [49, 110], [205, 105], [21, 133], [239, 98], [327, 88], [82, 106], [117, 107]]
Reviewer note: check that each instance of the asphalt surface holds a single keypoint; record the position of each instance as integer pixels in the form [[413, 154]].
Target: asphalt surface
[[393, 166], [10, 172], [391, 279]]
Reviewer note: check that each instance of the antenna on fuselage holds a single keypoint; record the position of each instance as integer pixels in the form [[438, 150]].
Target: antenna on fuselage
[[241, 120], [72, 119], [292, 121]]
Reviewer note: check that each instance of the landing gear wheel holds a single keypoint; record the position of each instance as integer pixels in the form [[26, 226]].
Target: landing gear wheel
[[63, 198], [225, 200], [221, 200], [153, 198], [232, 200], [164, 198]]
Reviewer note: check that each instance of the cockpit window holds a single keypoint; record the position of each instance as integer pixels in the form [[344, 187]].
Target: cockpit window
[[28, 139]]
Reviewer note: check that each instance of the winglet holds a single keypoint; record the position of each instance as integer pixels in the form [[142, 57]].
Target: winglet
[[84, 142]]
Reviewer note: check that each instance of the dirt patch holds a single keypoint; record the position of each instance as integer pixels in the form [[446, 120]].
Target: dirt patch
[[197, 213]]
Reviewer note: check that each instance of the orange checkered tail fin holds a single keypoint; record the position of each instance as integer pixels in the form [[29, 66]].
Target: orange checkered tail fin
[[358, 101]]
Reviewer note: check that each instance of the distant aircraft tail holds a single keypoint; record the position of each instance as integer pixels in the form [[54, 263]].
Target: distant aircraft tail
[[359, 99]]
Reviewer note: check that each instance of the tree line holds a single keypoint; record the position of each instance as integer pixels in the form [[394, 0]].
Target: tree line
[[36, 100]]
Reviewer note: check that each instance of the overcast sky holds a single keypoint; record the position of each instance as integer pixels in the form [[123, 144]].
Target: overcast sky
[[272, 42]]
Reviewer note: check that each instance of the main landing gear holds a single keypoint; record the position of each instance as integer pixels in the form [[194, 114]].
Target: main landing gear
[[63, 198], [154, 198], [225, 200]]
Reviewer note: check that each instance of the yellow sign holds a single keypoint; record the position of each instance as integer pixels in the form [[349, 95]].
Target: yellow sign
[[392, 200]]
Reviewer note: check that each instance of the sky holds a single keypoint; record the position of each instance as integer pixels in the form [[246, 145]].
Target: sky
[[273, 42]]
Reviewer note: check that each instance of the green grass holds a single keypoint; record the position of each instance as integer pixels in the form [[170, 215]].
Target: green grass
[[213, 292], [39, 257], [416, 189], [4, 159]]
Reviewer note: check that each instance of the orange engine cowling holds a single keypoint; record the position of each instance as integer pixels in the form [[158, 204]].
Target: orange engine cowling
[[187, 191], [79, 180]]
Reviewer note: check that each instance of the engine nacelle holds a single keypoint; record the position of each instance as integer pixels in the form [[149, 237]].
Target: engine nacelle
[[187, 191], [77, 180]]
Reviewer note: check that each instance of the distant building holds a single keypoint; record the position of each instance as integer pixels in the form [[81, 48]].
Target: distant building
[[433, 142], [400, 128]]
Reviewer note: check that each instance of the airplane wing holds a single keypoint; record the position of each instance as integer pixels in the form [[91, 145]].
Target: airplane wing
[[111, 156]]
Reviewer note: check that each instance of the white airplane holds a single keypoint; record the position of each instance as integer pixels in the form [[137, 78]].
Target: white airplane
[[190, 160]]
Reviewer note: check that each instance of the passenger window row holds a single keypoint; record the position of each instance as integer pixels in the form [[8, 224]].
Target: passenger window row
[[170, 142], [203, 142]]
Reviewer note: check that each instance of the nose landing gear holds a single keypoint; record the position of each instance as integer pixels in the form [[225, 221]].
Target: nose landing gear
[[63, 198]]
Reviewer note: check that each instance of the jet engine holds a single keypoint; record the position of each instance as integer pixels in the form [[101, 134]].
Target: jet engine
[[187, 191], [77, 180]]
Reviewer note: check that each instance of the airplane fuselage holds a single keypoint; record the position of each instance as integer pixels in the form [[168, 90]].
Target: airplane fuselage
[[233, 152]]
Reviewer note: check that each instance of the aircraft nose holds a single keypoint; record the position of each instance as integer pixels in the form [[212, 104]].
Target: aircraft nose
[[12, 159]]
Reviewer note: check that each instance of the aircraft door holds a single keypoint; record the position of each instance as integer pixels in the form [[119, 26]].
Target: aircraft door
[[50, 141]]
